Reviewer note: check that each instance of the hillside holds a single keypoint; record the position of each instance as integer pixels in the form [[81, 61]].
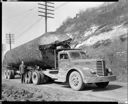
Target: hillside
[[102, 32]]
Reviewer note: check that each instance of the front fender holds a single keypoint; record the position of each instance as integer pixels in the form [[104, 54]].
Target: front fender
[[84, 72]]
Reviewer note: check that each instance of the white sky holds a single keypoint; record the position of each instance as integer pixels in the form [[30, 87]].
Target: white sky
[[22, 20]]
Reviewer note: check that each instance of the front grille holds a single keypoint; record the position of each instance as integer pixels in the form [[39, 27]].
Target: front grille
[[101, 68]]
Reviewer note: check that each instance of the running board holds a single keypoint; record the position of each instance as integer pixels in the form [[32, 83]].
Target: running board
[[51, 73]]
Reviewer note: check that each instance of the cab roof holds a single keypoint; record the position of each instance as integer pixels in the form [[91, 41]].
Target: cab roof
[[69, 50]]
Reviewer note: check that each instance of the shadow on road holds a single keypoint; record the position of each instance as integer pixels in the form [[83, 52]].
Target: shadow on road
[[17, 77], [65, 85], [93, 87], [109, 87]]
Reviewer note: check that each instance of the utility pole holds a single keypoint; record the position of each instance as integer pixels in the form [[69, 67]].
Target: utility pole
[[10, 39], [46, 17], [48, 11]]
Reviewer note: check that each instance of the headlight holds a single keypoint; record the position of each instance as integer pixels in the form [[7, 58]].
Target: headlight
[[109, 71], [92, 71]]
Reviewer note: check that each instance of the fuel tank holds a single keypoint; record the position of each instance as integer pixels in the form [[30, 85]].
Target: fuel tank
[[39, 51]]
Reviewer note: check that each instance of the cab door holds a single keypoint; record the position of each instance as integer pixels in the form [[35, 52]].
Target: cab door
[[63, 65]]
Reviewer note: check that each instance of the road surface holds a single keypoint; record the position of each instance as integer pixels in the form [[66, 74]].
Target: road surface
[[115, 91]]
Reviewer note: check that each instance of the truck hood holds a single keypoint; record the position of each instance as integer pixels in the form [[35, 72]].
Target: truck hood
[[90, 63]]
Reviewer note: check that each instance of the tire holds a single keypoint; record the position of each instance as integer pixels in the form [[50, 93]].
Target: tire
[[76, 81], [102, 84], [36, 77], [28, 77], [10, 74], [5, 74]]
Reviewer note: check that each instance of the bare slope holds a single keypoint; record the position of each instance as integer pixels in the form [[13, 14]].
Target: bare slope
[[102, 32]]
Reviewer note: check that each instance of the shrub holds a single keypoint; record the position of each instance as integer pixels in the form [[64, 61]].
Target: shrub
[[123, 37], [97, 44], [106, 42], [105, 29], [110, 57], [126, 23]]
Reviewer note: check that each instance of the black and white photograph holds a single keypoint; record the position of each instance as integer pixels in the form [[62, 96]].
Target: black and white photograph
[[64, 51]]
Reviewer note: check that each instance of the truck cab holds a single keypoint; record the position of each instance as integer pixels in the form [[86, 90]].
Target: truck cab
[[56, 60], [74, 66]]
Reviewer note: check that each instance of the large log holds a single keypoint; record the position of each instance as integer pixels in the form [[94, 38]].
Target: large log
[[37, 52]]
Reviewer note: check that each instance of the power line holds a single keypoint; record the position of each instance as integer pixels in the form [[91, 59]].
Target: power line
[[48, 9], [22, 14], [10, 39], [61, 5], [46, 5], [28, 11], [50, 2], [47, 12], [20, 28], [29, 27]]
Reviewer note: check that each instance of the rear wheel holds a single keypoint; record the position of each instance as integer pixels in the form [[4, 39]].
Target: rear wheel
[[9, 74], [75, 81], [6, 74], [102, 84], [28, 77], [36, 77], [13, 74]]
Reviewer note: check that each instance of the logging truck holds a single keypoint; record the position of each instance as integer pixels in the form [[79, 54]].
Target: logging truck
[[50, 57]]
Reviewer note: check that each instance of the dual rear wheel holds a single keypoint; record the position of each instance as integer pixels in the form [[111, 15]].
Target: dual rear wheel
[[35, 77], [28, 77], [9, 74]]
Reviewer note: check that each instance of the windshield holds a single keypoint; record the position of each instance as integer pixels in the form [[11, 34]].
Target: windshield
[[78, 55], [75, 55], [83, 55]]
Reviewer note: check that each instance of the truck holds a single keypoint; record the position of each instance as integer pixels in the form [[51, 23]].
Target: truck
[[50, 57]]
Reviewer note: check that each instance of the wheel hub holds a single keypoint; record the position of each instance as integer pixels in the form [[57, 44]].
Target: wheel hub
[[34, 76], [75, 80]]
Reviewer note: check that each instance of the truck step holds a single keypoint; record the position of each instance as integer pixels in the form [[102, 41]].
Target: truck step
[[51, 73]]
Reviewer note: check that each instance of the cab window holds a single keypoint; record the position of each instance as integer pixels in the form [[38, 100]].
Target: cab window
[[83, 54], [75, 55], [63, 56]]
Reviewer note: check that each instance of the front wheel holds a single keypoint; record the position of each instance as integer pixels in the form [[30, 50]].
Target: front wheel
[[76, 81], [102, 84]]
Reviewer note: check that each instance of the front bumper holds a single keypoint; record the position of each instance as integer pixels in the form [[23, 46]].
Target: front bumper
[[99, 79]]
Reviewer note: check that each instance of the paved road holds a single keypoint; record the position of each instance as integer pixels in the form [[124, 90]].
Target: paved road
[[116, 91]]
